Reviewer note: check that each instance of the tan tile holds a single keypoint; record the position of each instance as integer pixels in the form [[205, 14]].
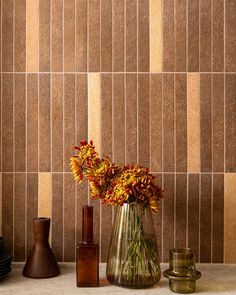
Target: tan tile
[[229, 218], [180, 35], [218, 35], [81, 35], [168, 36], [7, 35], [193, 36], [118, 36], [106, 35], [94, 110], [143, 36], [45, 194], [19, 122], [94, 35], [20, 36], [57, 35], [69, 119], [44, 35], [230, 37], [32, 35], [69, 36], [131, 36], [193, 122]]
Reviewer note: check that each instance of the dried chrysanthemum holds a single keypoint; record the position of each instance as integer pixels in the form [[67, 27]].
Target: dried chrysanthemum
[[76, 168]]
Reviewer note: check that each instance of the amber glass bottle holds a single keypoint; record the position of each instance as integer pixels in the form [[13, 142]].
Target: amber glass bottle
[[87, 253]]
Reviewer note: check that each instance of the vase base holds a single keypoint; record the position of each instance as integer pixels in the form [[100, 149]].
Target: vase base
[[138, 282]]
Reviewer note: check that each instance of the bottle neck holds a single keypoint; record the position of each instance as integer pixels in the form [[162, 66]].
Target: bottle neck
[[87, 228]]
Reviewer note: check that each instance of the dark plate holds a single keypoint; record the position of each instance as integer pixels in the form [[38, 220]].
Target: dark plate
[[2, 268], [5, 256], [2, 275]]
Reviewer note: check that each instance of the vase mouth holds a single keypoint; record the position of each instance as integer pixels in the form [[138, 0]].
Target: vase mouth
[[41, 219]]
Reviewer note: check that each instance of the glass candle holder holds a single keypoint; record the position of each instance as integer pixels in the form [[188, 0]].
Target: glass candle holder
[[182, 273]]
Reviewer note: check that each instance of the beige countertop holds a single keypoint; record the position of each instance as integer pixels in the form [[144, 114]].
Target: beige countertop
[[216, 279]]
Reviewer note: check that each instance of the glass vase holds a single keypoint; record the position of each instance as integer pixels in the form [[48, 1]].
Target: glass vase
[[133, 259]]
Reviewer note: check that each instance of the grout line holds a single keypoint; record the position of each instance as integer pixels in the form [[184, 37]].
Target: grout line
[[199, 37], [162, 165], [87, 37], [63, 129], [1, 89], [75, 104], [175, 180], [26, 164], [125, 36], [137, 109], [13, 127], [187, 215], [186, 31], [224, 96], [212, 135], [199, 221], [122, 72]]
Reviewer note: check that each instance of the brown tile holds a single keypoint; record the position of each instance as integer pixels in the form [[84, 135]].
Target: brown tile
[[69, 118], [69, 36], [19, 122], [0, 199], [119, 119], [205, 218], [181, 211], [218, 36], [97, 223], [230, 37], [143, 36], [230, 123], [218, 219], [106, 117], [131, 36], [193, 36], [180, 36], [7, 122], [7, 209], [131, 118], [168, 215], [57, 35], [19, 216], [44, 123], [106, 231], [205, 35], [168, 36], [106, 35], [0, 116], [168, 123], [94, 35], [193, 213], [81, 97], [143, 120], [218, 123], [118, 36], [81, 35], [7, 35], [57, 215], [32, 122], [44, 35], [20, 36], [206, 122], [81, 199], [57, 122], [181, 122], [32, 207], [69, 218], [156, 123]]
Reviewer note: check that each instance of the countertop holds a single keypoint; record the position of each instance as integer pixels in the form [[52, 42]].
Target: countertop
[[216, 279]]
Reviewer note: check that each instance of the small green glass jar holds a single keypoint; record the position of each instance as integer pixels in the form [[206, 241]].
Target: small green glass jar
[[182, 273]]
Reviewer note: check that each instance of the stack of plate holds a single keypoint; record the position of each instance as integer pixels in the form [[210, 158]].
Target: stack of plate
[[5, 259]]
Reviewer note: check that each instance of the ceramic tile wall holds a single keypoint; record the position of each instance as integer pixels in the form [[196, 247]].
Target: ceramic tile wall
[[151, 82]]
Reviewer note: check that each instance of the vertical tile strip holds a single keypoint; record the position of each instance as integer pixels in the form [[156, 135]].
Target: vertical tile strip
[[7, 35], [69, 36], [81, 199], [19, 217], [230, 123], [218, 219], [157, 219], [106, 35], [168, 123], [168, 36], [205, 35], [32, 35], [181, 122], [94, 35], [156, 41], [193, 35], [118, 36], [193, 122], [45, 195], [57, 34], [230, 39], [44, 35], [229, 218], [143, 36], [44, 123], [131, 36], [1, 203], [20, 38], [180, 35], [131, 118], [19, 122]]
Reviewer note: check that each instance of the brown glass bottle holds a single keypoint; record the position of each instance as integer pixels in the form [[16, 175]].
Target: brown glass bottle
[[87, 253]]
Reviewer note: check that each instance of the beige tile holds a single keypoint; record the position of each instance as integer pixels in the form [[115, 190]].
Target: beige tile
[[94, 110], [32, 35], [230, 218], [45, 195], [156, 41], [193, 122]]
